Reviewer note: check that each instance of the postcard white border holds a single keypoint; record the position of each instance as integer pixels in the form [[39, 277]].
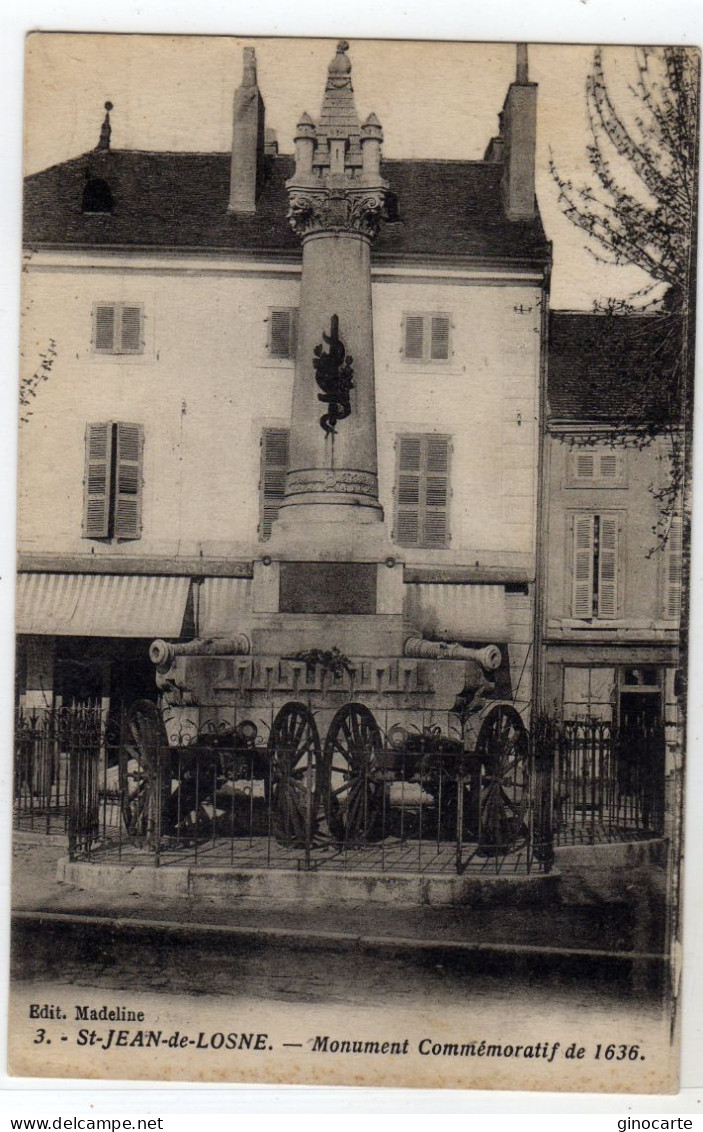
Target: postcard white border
[[575, 21]]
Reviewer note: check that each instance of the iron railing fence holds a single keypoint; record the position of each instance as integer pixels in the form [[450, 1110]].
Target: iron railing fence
[[44, 772], [608, 781], [307, 790], [368, 795]]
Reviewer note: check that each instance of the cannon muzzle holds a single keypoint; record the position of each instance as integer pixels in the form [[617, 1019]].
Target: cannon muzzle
[[489, 657], [163, 653]]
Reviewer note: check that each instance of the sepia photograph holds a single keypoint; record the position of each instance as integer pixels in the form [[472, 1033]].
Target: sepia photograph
[[353, 561]]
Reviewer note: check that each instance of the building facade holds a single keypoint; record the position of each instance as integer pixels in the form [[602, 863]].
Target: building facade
[[161, 486], [612, 557]]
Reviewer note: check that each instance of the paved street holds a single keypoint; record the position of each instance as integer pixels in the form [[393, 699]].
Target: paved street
[[349, 954]]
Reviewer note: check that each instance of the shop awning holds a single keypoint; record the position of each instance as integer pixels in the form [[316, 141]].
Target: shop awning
[[221, 604], [100, 605], [457, 612]]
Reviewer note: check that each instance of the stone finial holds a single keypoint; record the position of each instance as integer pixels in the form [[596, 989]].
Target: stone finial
[[371, 128], [521, 65], [371, 138], [306, 126], [341, 64], [105, 130]]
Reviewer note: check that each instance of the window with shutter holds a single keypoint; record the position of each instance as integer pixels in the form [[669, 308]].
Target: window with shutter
[[104, 333], [414, 337], [118, 328], [407, 513], [97, 483], [272, 487], [426, 337], [597, 467], [113, 481], [607, 566], [422, 491], [439, 343], [594, 567], [673, 570], [582, 568], [131, 330], [128, 481], [608, 465], [585, 465], [283, 332]]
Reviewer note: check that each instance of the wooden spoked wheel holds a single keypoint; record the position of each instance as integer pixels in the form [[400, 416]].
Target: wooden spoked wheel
[[354, 794], [296, 775], [502, 746], [145, 782]]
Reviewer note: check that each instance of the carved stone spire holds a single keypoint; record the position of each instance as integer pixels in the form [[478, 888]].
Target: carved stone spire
[[337, 183]]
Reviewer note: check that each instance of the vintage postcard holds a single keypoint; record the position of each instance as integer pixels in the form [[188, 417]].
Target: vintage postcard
[[353, 562]]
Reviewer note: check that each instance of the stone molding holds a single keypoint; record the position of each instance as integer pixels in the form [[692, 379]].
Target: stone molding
[[332, 480]]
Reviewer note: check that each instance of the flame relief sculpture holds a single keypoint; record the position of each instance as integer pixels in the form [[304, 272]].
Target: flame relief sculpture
[[334, 375]]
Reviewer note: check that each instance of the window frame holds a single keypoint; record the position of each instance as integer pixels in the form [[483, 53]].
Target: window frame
[[426, 359], [264, 534], [292, 335], [118, 307], [422, 542], [665, 582], [115, 498], [599, 513], [597, 480]]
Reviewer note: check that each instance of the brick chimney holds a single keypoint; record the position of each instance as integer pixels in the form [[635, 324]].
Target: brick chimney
[[248, 140], [516, 144]]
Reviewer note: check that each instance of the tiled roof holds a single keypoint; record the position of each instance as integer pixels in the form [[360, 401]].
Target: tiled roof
[[447, 209], [610, 369]]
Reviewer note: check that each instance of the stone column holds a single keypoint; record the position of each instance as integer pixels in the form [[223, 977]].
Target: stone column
[[336, 201]]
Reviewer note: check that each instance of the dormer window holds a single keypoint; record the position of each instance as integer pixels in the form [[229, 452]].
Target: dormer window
[[97, 196]]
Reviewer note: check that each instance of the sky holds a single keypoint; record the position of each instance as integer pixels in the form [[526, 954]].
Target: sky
[[434, 99]]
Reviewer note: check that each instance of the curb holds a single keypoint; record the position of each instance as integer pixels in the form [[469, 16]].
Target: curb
[[344, 940], [287, 887]]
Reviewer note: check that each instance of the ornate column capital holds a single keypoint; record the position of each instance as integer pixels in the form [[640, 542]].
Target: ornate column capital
[[314, 209]]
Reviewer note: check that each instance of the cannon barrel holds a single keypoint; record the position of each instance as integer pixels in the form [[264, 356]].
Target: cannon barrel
[[163, 652], [488, 657]]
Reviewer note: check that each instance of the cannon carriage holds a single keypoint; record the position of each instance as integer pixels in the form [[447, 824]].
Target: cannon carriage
[[318, 750]]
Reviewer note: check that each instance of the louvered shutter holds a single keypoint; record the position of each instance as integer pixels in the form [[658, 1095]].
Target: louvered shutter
[[128, 491], [609, 465], [439, 340], [582, 579], [585, 465], [436, 493], [274, 465], [673, 570], [104, 328], [408, 490], [608, 567], [97, 483], [130, 329], [414, 336], [282, 339]]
